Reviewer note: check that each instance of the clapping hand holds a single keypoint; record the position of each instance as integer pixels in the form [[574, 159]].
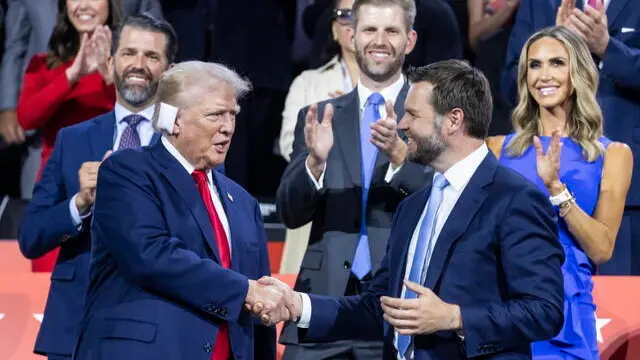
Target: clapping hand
[[92, 55], [318, 137], [590, 25], [548, 164], [384, 135], [98, 52]]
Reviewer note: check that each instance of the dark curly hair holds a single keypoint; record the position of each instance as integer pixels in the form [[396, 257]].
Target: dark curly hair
[[64, 42]]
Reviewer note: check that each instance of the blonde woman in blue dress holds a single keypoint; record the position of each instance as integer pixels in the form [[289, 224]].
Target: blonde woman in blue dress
[[560, 146]]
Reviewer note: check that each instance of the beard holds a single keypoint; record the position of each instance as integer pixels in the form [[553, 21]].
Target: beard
[[379, 72], [429, 148], [135, 95]]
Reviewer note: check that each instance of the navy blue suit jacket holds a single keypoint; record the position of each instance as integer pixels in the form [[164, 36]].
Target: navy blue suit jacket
[[157, 290], [498, 257], [619, 90], [47, 224]]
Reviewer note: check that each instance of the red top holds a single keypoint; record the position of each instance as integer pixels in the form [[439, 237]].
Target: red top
[[48, 102]]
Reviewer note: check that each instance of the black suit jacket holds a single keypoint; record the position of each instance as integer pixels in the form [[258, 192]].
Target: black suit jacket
[[252, 36], [335, 210]]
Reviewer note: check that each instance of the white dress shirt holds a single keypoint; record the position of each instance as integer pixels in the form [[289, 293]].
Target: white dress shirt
[[458, 176], [217, 203], [145, 131], [389, 93]]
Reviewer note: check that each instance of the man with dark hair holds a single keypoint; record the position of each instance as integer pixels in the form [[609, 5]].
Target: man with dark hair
[[350, 189], [60, 212], [473, 267], [29, 24]]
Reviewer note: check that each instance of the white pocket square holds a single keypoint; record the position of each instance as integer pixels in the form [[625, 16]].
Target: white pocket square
[[626, 30]]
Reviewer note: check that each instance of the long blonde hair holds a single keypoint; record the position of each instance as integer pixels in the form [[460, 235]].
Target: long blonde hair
[[584, 121]]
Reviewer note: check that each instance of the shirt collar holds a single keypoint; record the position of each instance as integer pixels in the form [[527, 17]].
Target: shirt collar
[[181, 159], [121, 112], [461, 172], [389, 93]]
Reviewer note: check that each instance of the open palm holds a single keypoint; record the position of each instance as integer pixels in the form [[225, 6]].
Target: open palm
[[319, 136], [548, 164]]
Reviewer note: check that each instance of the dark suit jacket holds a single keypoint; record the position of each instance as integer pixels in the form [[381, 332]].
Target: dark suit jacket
[[438, 35], [252, 36], [156, 284], [619, 89], [335, 210], [47, 224], [498, 257]]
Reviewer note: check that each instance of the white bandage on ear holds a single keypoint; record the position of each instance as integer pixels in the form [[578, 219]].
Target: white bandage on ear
[[167, 118]]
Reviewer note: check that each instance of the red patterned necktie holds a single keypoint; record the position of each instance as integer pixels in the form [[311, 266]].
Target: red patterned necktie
[[592, 3], [221, 350]]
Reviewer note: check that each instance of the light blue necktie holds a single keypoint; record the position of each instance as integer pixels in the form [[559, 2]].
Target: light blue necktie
[[362, 260], [423, 248]]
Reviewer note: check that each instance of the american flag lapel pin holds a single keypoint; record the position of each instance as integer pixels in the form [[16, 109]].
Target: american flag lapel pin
[[230, 197]]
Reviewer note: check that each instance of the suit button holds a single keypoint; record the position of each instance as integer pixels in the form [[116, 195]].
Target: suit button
[[207, 347], [347, 265]]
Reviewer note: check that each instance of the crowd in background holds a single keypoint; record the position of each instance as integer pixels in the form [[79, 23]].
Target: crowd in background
[[295, 53]]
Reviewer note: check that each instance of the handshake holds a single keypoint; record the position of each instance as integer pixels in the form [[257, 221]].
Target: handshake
[[273, 301]]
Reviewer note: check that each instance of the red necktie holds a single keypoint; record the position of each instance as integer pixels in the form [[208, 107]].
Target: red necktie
[[221, 350], [592, 3]]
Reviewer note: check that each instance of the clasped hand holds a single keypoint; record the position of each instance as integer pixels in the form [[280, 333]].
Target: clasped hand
[[273, 301]]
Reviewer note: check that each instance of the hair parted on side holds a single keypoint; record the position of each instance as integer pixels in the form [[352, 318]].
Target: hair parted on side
[[585, 119], [456, 84], [146, 21], [185, 83], [408, 7]]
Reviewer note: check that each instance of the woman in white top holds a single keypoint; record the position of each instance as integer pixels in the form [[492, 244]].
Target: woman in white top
[[337, 77]]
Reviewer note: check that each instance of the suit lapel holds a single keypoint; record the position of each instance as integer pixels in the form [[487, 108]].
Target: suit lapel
[[233, 218], [346, 130], [184, 185], [405, 233], [458, 221], [101, 135], [614, 11], [155, 138]]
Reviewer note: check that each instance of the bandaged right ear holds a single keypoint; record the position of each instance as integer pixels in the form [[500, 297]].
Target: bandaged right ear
[[167, 116]]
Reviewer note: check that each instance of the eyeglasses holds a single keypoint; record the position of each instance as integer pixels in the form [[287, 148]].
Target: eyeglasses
[[342, 15]]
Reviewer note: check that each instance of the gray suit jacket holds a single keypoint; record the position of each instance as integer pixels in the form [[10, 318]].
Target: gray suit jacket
[[28, 26], [335, 210]]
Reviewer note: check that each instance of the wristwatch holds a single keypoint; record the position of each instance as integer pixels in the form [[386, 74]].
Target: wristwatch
[[564, 196]]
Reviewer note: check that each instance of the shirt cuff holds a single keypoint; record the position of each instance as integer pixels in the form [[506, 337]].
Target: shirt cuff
[[76, 218], [317, 183], [305, 317], [391, 172]]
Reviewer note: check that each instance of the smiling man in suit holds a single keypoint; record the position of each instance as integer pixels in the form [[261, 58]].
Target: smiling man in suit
[[176, 247], [473, 267], [350, 189], [60, 212], [611, 29]]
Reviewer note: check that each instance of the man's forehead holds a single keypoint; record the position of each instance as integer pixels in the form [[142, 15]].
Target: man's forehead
[[380, 15], [149, 40]]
